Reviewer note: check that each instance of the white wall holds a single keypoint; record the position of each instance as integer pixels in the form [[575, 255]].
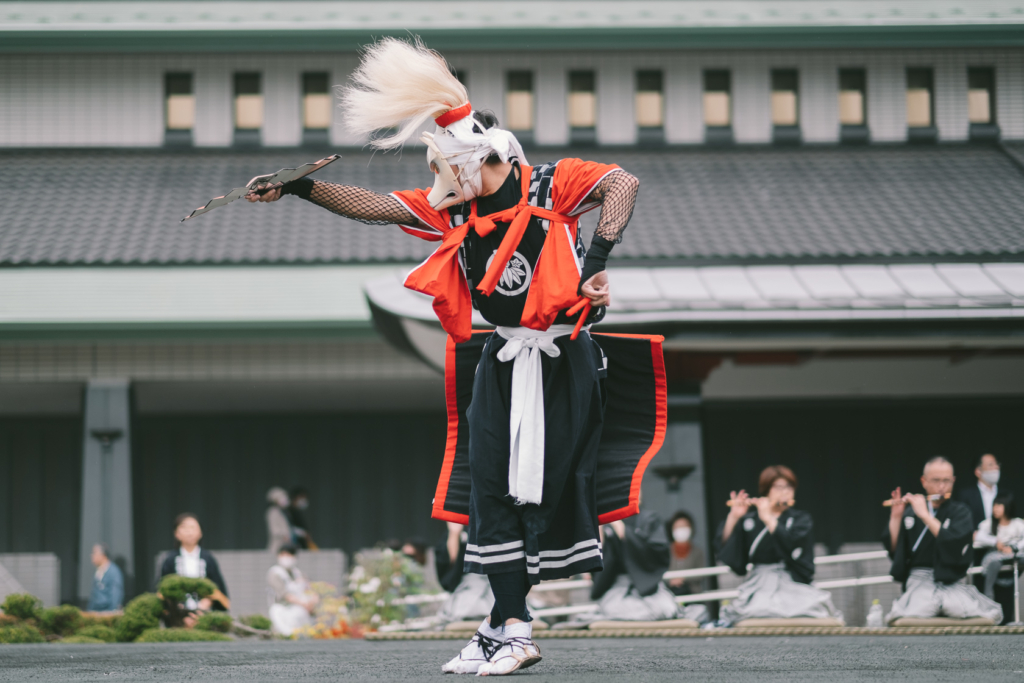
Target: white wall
[[117, 100]]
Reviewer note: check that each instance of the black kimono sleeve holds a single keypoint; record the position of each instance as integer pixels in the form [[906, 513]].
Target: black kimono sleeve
[[166, 567], [213, 572], [646, 551], [954, 547], [449, 573], [901, 553], [733, 552], [794, 540]]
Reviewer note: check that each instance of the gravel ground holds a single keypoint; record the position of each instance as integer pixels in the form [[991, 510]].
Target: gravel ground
[[929, 659]]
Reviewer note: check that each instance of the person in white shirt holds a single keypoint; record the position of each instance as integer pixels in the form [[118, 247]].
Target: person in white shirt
[[194, 562], [1003, 534], [292, 603], [979, 497]]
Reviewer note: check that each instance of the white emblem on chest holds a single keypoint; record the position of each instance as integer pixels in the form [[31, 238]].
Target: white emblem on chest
[[908, 522], [797, 552], [748, 524], [517, 275]]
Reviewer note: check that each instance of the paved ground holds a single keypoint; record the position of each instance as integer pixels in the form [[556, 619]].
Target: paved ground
[[928, 659]]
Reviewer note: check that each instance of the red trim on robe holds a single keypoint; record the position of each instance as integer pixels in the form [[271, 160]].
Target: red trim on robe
[[660, 428], [452, 401]]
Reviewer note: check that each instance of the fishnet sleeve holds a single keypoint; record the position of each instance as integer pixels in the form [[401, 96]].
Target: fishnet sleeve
[[361, 205], [617, 194]]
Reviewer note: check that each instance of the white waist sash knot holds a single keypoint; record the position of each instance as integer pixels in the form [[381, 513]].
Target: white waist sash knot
[[526, 417]]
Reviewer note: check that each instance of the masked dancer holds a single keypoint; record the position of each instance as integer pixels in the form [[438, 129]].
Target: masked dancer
[[534, 463]]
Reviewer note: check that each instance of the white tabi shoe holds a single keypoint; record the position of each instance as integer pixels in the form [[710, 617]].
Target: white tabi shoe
[[518, 652], [481, 647]]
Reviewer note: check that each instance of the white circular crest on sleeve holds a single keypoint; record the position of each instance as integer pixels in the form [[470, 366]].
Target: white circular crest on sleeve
[[908, 522], [945, 525], [797, 552], [748, 524], [789, 523], [964, 551]]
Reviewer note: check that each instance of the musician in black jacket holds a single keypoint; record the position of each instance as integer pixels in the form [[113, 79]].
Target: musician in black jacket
[[930, 541]]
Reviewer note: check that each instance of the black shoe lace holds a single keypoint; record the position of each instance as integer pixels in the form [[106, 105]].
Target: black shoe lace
[[488, 645], [521, 642]]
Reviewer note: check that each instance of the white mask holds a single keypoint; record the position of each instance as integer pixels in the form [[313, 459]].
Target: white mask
[[286, 561], [990, 477], [682, 534]]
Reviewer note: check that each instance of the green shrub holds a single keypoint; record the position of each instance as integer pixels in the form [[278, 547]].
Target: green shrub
[[60, 621], [81, 640], [179, 635], [256, 621], [97, 632], [21, 633], [140, 614], [219, 622], [175, 588], [21, 605], [100, 619]]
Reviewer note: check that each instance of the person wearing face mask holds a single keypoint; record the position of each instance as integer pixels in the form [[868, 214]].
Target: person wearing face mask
[[299, 503], [291, 602], [979, 497], [777, 540], [684, 554]]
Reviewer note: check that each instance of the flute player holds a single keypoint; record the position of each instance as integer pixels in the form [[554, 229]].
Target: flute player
[[778, 540], [930, 539]]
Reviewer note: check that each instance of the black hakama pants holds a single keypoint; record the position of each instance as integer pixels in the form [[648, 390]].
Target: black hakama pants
[[605, 415]]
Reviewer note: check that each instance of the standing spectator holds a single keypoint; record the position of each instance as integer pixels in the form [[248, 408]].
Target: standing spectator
[[979, 498], [292, 602], [299, 497], [279, 529], [107, 583], [196, 563], [1003, 536], [684, 554]]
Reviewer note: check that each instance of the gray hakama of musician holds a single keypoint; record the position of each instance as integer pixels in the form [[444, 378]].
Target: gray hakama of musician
[[630, 586], [778, 586], [931, 567], [471, 600]]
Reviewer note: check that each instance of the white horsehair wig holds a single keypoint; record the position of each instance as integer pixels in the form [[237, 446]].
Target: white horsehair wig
[[399, 84]]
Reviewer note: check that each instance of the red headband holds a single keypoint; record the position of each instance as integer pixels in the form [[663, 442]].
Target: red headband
[[452, 115]]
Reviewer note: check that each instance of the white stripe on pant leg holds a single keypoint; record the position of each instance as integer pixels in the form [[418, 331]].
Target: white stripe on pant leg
[[493, 548], [567, 551], [493, 559], [554, 564]]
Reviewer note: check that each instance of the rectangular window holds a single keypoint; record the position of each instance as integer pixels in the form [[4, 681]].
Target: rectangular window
[[650, 105], [784, 97], [519, 100], [317, 103], [582, 99], [248, 102], [853, 97], [920, 98], [981, 95], [180, 109], [717, 99]]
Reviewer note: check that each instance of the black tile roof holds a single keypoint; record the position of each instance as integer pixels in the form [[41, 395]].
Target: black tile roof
[[753, 205]]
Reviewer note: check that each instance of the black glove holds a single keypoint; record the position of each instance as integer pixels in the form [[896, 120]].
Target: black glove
[[301, 187], [595, 260]]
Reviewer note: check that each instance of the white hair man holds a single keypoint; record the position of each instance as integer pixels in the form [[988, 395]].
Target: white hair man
[[526, 482], [930, 540]]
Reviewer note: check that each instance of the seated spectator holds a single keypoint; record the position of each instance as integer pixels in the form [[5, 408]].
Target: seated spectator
[[416, 550], [292, 603], [1003, 536], [636, 554], [192, 561], [777, 539], [471, 596], [978, 496], [107, 593], [279, 529], [684, 554], [930, 542]]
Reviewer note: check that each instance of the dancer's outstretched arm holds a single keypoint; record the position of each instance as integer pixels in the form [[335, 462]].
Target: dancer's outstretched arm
[[357, 203]]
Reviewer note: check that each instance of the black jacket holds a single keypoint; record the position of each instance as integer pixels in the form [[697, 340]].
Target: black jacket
[[792, 543], [642, 553], [970, 496], [953, 547], [212, 568]]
